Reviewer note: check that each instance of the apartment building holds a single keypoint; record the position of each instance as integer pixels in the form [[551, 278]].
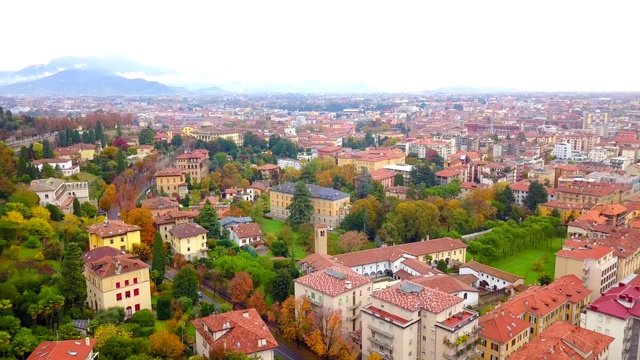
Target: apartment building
[[118, 281], [190, 240], [562, 151], [594, 264], [65, 350], [165, 222], [443, 148], [113, 233], [412, 321], [447, 176], [171, 181], [403, 169], [160, 205], [582, 192], [194, 163], [77, 152], [337, 288], [617, 313], [329, 206], [64, 165], [208, 135], [372, 159], [60, 193]]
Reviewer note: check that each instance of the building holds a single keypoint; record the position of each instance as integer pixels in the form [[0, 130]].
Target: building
[[242, 331], [448, 284], [289, 163], [246, 234], [269, 171], [567, 211], [403, 169], [383, 176], [409, 321], [583, 192], [372, 159], [230, 221], [64, 165], [489, 277], [562, 151], [190, 240], [171, 181], [77, 152], [337, 288], [209, 135], [443, 148], [118, 281], [617, 313], [165, 222], [329, 206], [160, 205], [447, 176], [65, 350], [562, 341], [114, 233], [397, 191], [60, 193], [194, 163], [502, 336], [594, 264]]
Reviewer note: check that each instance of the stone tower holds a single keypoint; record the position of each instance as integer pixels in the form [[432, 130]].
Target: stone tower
[[321, 239]]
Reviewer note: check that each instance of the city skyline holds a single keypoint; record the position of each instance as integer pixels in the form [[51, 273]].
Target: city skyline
[[551, 46]]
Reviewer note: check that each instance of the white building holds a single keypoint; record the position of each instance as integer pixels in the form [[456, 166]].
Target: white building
[[403, 169], [292, 163], [489, 277], [246, 234], [64, 165], [562, 151], [59, 193]]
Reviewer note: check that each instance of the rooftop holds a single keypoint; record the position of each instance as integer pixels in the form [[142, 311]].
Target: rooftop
[[247, 230], [333, 280], [187, 230], [317, 192], [620, 301], [583, 251], [412, 296], [110, 228], [115, 265], [482, 268], [63, 350]]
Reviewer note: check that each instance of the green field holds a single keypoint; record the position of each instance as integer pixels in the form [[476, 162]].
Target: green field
[[273, 226], [83, 176], [520, 263]]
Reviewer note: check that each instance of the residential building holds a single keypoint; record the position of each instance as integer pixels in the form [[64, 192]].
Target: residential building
[[118, 281], [144, 150], [337, 288], [568, 211], [60, 193], [171, 181], [190, 240], [64, 165], [246, 234], [443, 148], [397, 191], [447, 284], [244, 331], [160, 205], [231, 221], [447, 176], [77, 153], [194, 163], [329, 206], [563, 340], [502, 335], [211, 134], [490, 278], [582, 192], [383, 176], [289, 163], [562, 151], [81, 349], [372, 159], [269, 171], [403, 169], [594, 264], [617, 313], [165, 222], [114, 233], [411, 321]]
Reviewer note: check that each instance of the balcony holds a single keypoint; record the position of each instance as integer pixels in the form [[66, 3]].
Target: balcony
[[351, 307], [351, 318], [382, 355], [585, 273], [380, 331], [380, 342]]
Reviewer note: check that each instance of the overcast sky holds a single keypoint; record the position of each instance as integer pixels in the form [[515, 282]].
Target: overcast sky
[[392, 45]]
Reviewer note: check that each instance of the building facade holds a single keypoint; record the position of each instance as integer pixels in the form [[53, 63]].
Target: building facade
[[194, 163], [171, 181], [113, 233], [329, 206], [190, 240]]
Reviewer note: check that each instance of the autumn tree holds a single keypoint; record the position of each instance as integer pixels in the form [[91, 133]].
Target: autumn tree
[[8, 166], [256, 301], [240, 287], [159, 260], [166, 345], [142, 251], [72, 281], [326, 337], [352, 241], [301, 207], [108, 198], [414, 220], [295, 318], [144, 219], [374, 356]]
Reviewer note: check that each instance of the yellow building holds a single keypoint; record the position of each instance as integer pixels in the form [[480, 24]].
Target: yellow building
[[187, 130], [329, 206], [113, 233], [117, 281], [171, 181], [502, 336], [567, 211], [87, 151], [190, 240], [372, 159], [209, 135]]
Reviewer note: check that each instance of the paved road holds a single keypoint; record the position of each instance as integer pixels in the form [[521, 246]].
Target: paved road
[[287, 353]]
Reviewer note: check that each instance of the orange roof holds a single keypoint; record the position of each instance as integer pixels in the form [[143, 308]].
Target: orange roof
[[447, 173], [502, 328], [582, 251], [63, 350]]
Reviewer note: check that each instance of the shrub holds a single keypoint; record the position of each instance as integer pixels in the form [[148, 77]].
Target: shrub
[[134, 329], [537, 265], [113, 315], [32, 243], [3, 244], [145, 332], [164, 308], [144, 318], [38, 257], [53, 250], [8, 230], [14, 252]]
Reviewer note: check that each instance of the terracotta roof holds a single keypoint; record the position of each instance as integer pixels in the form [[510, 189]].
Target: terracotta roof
[[570, 286], [171, 217], [412, 296], [467, 279], [244, 331], [267, 167], [444, 283], [63, 350], [247, 230], [169, 172], [99, 253], [614, 301], [114, 265], [187, 230], [195, 154], [333, 280], [482, 268], [110, 228], [447, 173], [565, 341], [502, 328], [319, 261], [391, 253], [382, 174], [614, 209], [160, 202], [420, 267], [582, 251]]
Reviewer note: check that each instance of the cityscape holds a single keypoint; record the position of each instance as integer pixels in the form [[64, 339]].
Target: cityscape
[[336, 181]]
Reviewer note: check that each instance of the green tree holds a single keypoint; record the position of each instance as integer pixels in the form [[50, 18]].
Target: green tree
[[176, 140], [508, 199], [159, 259], [208, 219], [100, 134], [72, 282], [423, 174], [144, 318], [279, 248], [56, 214], [186, 284], [146, 137], [442, 266], [364, 184], [301, 207], [398, 180], [121, 165], [24, 342], [47, 151], [545, 279], [537, 195], [38, 150], [77, 210], [88, 210], [281, 286]]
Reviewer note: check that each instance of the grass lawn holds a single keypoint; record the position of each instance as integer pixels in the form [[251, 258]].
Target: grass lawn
[[84, 176], [520, 263], [273, 226], [161, 325]]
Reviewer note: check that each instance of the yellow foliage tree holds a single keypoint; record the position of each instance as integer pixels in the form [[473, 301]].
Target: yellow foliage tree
[[166, 345], [105, 331], [41, 213], [295, 318], [14, 217], [374, 356], [326, 336], [108, 198]]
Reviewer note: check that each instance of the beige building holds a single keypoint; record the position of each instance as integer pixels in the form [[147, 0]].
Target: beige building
[[194, 163], [209, 135], [329, 206], [165, 222], [594, 264], [337, 288], [412, 321], [171, 181], [190, 240], [118, 281], [60, 193], [113, 233], [372, 159]]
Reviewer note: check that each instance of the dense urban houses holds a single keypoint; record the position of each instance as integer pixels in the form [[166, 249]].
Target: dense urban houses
[[329, 206], [165, 222], [372, 159], [240, 331], [113, 233], [120, 280]]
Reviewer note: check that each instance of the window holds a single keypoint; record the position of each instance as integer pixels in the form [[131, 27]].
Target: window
[[136, 292], [127, 294], [599, 318], [137, 307], [340, 301], [118, 285], [494, 347], [599, 329], [122, 239], [119, 296], [126, 283], [135, 280], [313, 295], [110, 241], [606, 331], [433, 342], [608, 320]]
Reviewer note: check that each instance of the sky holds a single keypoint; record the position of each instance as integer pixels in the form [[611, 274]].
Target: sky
[[391, 45]]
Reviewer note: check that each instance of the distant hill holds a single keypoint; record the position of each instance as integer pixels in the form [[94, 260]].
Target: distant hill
[[461, 89], [308, 87], [87, 82]]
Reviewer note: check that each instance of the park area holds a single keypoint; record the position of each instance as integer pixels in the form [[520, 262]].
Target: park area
[[270, 226]]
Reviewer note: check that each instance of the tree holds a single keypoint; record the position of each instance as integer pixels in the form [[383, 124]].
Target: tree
[[55, 213], [52, 250], [325, 338], [41, 213], [24, 342], [240, 287], [163, 308], [144, 318], [176, 140], [8, 166], [100, 134], [374, 356], [39, 228], [72, 282], [77, 211], [423, 174], [38, 150], [256, 301], [537, 195], [279, 248], [508, 199], [398, 180], [545, 279], [413, 220], [144, 219], [166, 345], [108, 198], [208, 219], [442, 266], [145, 137], [352, 241], [281, 286], [295, 318], [301, 207], [364, 184], [25, 196], [88, 210], [159, 260], [142, 251], [47, 151], [106, 331], [186, 284]]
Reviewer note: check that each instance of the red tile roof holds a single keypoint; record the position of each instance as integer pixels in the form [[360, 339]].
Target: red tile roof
[[614, 301], [114, 265], [447, 173], [502, 328], [482, 268], [319, 261], [99, 253], [242, 331], [334, 280], [430, 299], [160, 202], [581, 251], [63, 350], [444, 283], [169, 172], [247, 230], [110, 228]]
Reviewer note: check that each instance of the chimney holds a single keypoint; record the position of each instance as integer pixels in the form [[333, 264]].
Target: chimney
[[347, 284], [87, 341]]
